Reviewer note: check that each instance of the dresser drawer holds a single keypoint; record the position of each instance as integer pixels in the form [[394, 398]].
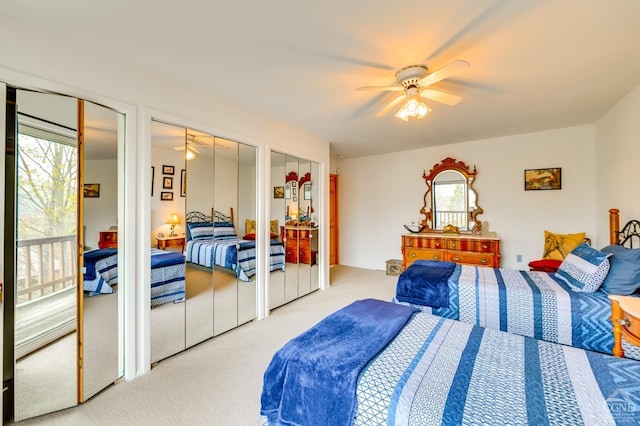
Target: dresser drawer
[[429, 243], [411, 255], [471, 258]]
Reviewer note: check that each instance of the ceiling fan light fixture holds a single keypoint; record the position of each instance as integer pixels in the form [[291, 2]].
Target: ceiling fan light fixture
[[413, 108], [189, 154]]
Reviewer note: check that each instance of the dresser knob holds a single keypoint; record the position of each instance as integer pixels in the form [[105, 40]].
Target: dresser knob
[[624, 322], [457, 259], [413, 255], [484, 261], [484, 246], [438, 245], [436, 257]]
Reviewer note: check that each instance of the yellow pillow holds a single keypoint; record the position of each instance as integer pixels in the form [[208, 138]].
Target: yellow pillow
[[558, 246], [250, 226]]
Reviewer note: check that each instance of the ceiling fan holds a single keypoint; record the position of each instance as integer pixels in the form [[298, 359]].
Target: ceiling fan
[[414, 81], [192, 146]]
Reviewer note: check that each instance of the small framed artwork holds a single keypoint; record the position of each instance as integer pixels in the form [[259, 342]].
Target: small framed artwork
[[287, 190], [541, 179], [166, 196], [91, 190], [167, 182], [294, 191], [294, 183], [183, 183], [153, 175], [307, 191], [278, 192], [295, 199], [168, 170]]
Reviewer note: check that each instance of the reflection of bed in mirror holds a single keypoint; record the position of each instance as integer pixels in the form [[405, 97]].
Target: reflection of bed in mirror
[[167, 274], [215, 244]]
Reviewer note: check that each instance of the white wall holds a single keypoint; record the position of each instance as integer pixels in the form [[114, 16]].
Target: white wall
[[100, 213], [375, 205], [618, 155]]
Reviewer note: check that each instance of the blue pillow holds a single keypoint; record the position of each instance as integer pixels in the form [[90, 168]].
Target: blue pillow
[[584, 269], [224, 231], [624, 276], [199, 230]]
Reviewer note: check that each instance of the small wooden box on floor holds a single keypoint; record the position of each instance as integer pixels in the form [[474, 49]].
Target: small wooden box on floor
[[465, 249]]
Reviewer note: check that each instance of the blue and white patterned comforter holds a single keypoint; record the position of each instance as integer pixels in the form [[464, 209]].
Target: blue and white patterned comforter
[[438, 371], [167, 277], [529, 303], [235, 254]]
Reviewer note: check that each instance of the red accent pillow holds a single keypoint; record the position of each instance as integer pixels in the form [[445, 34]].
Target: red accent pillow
[[545, 265], [253, 236]]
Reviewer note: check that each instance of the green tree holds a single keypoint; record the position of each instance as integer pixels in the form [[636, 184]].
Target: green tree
[[46, 188]]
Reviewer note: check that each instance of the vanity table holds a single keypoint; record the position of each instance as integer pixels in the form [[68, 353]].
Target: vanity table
[[466, 249], [450, 230], [301, 244]]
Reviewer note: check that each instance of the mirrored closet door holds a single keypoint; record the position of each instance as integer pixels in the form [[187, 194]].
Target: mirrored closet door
[[214, 232], [294, 193], [64, 326]]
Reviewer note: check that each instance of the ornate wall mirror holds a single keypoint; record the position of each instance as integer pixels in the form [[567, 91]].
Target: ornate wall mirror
[[451, 201]]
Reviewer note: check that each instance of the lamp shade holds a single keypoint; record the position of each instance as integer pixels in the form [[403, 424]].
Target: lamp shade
[[174, 219], [413, 108]]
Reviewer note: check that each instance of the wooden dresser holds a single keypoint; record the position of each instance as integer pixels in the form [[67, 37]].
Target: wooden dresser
[[625, 315], [300, 243], [467, 249], [108, 239]]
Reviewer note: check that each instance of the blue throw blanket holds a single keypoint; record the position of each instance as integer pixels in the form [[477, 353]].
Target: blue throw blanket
[[159, 259], [424, 282], [312, 379]]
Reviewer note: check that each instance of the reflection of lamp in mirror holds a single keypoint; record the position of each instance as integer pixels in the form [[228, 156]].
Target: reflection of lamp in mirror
[[189, 154], [173, 221]]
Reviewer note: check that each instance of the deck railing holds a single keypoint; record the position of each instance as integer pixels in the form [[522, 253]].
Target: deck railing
[[451, 217], [44, 266]]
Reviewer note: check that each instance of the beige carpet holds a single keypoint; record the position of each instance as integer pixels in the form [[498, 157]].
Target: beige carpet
[[218, 382]]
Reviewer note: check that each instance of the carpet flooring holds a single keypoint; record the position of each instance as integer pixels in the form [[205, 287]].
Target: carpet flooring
[[218, 382]]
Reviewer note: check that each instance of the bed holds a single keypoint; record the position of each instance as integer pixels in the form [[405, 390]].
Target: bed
[[212, 242], [375, 362], [530, 303], [167, 274]]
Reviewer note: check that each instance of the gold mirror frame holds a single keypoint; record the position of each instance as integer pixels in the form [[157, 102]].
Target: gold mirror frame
[[451, 164]]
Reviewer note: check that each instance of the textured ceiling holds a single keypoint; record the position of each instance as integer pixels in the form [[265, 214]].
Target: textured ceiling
[[535, 65]]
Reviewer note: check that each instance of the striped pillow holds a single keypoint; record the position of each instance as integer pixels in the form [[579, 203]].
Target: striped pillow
[[224, 231], [584, 269], [200, 230]]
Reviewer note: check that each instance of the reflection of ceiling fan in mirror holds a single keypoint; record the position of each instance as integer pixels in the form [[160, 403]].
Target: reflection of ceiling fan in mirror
[[414, 81], [192, 145]]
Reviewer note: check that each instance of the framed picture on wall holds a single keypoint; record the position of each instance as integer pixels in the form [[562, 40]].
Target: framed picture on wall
[[183, 183], [166, 196], [168, 170], [287, 190], [153, 175], [278, 192], [307, 191], [91, 190], [167, 183], [541, 179]]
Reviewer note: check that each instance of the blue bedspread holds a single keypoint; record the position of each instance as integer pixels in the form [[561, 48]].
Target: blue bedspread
[[90, 259], [443, 372], [425, 282], [313, 377], [237, 255], [529, 303]]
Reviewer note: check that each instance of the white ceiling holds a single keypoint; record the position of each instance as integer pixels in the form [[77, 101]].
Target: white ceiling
[[535, 65]]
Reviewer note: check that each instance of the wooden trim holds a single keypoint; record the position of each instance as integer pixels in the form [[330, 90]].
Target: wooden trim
[[334, 227], [614, 225], [80, 254]]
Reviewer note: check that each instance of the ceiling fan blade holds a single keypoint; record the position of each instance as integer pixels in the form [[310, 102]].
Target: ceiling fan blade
[[179, 148], [391, 88], [444, 72], [193, 148], [390, 105], [440, 96]]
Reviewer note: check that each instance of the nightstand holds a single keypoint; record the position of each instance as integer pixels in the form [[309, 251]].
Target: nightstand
[[108, 239], [625, 315], [167, 243]]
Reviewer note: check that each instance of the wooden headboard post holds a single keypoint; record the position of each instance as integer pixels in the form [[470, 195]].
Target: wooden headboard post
[[614, 225]]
